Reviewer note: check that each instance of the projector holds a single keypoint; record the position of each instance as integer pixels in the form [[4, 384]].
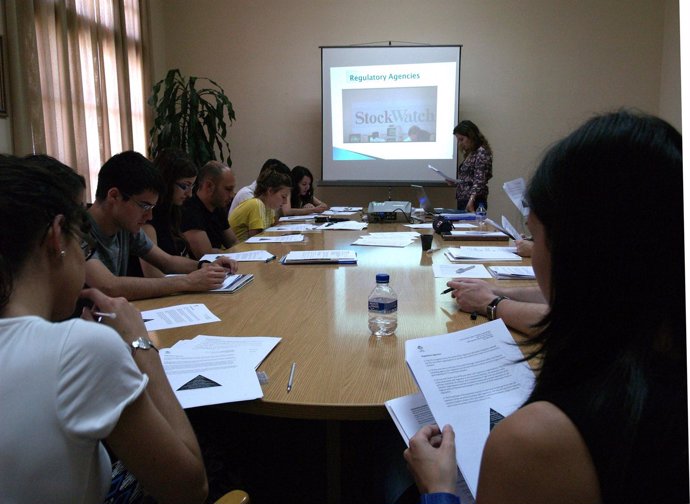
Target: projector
[[389, 211]]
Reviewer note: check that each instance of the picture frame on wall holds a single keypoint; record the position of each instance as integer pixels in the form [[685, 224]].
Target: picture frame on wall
[[3, 94]]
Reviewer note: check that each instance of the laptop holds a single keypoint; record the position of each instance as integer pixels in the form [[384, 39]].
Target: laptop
[[425, 203]]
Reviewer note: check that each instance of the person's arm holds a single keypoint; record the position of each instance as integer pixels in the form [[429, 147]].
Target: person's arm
[[537, 455], [132, 288], [199, 244], [305, 210], [482, 167], [525, 308], [524, 247], [319, 205], [153, 437], [149, 270]]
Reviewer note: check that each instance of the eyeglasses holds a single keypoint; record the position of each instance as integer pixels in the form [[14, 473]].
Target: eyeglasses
[[144, 206], [185, 187]]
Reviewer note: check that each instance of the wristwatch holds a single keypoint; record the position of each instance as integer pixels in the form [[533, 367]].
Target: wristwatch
[[142, 342], [493, 306]]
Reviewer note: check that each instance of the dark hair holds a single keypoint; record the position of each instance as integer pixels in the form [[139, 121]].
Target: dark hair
[[131, 173], [275, 164], [30, 198], [296, 199], [614, 290], [172, 164], [271, 179], [75, 182], [471, 131]]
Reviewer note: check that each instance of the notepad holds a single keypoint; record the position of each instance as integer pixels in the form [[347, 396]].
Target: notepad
[[455, 254], [512, 272], [233, 283], [320, 257]]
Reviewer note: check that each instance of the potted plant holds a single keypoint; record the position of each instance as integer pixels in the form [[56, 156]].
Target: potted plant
[[190, 118]]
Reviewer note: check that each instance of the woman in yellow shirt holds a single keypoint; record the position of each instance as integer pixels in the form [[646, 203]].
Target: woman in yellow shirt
[[254, 215]]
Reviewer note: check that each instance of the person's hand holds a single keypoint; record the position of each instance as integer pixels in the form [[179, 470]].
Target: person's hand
[[524, 248], [229, 264], [208, 277], [321, 208], [431, 459], [472, 294], [470, 206], [308, 205], [448, 182], [126, 318]]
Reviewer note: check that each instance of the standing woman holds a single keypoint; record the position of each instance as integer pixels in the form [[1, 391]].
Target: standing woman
[[90, 384], [260, 212], [302, 200], [607, 421], [475, 170], [179, 174]]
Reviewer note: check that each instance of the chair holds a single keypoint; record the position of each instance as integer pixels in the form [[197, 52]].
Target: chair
[[234, 497]]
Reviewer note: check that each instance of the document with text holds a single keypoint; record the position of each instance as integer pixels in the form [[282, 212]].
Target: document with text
[[471, 379], [177, 316]]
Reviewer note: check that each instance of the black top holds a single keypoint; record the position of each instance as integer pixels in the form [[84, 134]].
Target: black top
[[196, 216], [165, 240], [649, 465]]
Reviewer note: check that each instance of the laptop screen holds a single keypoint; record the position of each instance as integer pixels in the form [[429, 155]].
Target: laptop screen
[[423, 199]]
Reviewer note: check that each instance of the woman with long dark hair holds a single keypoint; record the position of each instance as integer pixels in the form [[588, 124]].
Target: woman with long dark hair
[[302, 200], [607, 420], [472, 190]]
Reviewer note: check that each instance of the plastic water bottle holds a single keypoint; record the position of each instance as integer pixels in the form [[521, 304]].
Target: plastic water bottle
[[383, 307], [480, 214]]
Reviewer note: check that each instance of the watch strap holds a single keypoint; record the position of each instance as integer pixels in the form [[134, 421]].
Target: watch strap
[[493, 306]]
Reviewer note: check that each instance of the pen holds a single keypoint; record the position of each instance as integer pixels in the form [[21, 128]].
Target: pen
[[431, 251], [447, 290], [473, 315], [292, 376], [102, 315]]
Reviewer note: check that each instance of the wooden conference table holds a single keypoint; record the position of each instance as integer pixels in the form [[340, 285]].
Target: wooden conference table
[[320, 312]]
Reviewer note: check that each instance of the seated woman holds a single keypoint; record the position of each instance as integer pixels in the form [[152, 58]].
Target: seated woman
[[179, 174], [607, 420], [302, 200], [258, 213], [90, 384]]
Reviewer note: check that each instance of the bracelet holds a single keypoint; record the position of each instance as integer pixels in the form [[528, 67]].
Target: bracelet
[[201, 263]]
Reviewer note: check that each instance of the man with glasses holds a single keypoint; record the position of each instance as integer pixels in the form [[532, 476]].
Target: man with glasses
[[204, 216], [127, 191]]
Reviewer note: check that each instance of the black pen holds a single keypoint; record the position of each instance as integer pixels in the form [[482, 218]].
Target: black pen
[[473, 315], [447, 290]]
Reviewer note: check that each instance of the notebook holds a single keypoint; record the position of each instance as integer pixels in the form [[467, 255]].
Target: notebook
[[425, 203]]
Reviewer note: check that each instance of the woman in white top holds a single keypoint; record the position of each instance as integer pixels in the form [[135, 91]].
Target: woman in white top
[[68, 387]]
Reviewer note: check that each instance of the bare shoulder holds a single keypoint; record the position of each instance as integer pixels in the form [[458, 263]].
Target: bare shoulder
[[537, 455]]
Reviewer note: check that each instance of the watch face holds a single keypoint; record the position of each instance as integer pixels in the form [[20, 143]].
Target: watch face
[[142, 343]]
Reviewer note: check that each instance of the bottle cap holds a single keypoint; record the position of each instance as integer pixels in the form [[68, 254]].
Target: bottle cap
[[382, 278]]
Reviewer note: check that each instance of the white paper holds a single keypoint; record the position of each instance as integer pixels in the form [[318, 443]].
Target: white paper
[[512, 272], [177, 316], [423, 225], [337, 209], [446, 177], [276, 239], [233, 283], [515, 189], [289, 218], [463, 225], [395, 234], [317, 256], [293, 227], [411, 413], [349, 225], [200, 378], [482, 254], [478, 234], [451, 271], [254, 349], [510, 228], [371, 241], [470, 380], [250, 255]]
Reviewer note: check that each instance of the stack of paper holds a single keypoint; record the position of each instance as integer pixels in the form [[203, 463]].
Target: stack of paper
[[276, 239], [391, 239], [250, 255], [177, 316], [342, 211], [232, 283], [216, 369], [320, 257], [475, 235], [349, 225], [512, 272], [455, 254], [464, 271], [293, 227], [471, 380], [289, 218]]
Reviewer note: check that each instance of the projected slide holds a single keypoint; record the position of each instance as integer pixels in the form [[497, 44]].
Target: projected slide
[[388, 112], [391, 112]]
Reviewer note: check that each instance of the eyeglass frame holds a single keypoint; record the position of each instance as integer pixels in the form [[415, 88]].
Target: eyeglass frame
[[184, 187], [146, 207]]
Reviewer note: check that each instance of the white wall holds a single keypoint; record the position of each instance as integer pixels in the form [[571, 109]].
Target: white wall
[[531, 69]]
